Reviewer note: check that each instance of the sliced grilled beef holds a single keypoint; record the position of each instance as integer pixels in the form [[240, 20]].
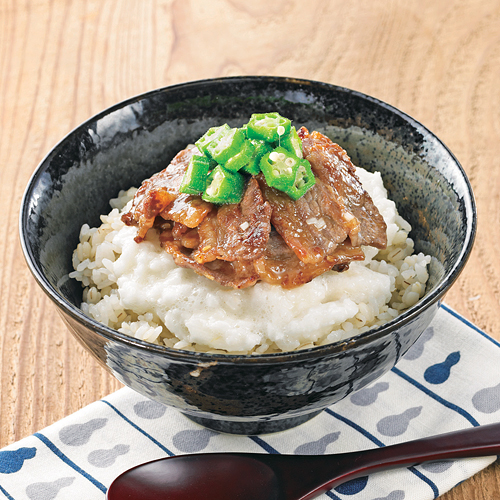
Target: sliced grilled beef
[[330, 163], [187, 209], [280, 265], [158, 192], [310, 226], [267, 236], [238, 231], [237, 274]]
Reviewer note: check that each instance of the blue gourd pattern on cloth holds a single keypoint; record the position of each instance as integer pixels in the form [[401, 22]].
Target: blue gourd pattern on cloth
[[448, 380]]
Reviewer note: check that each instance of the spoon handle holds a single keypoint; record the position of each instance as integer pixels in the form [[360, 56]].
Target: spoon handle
[[479, 441], [335, 469]]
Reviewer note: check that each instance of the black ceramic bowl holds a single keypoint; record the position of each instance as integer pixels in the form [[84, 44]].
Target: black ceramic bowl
[[121, 146]]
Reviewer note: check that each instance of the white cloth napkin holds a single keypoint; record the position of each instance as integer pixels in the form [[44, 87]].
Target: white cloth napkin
[[449, 380]]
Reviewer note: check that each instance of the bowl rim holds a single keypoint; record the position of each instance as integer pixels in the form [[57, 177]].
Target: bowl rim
[[194, 356]]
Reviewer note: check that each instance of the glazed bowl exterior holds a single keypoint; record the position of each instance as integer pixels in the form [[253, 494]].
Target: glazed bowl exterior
[[130, 141]]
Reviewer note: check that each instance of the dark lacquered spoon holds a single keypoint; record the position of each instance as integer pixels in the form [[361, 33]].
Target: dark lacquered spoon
[[254, 476]]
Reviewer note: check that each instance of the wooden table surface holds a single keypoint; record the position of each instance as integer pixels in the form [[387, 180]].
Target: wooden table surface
[[61, 61]]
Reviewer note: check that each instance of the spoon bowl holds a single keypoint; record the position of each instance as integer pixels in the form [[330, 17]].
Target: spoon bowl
[[254, 476], [193, 476]]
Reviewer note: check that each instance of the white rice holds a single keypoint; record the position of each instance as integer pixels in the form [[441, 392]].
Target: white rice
[[138, 290]]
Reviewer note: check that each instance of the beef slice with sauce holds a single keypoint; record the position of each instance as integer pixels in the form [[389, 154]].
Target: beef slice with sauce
[[331, 164], [238, 231], [160, 195]]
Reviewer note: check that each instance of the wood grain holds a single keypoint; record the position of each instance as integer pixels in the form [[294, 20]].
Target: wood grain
[[61, 61]]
